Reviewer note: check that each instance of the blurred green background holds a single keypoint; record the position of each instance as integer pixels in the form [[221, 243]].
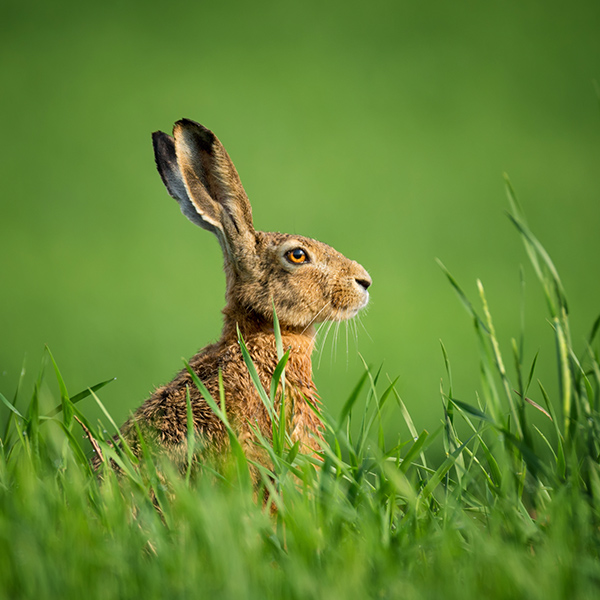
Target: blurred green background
[[381, 128]]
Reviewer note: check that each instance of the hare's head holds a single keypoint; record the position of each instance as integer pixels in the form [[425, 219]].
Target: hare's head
[[308, 281]]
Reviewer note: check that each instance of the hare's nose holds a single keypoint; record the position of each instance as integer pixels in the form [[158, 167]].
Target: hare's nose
[[364, 283]]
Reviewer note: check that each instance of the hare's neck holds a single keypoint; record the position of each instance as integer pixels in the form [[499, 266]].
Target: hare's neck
[[251, 325], [260, 340]]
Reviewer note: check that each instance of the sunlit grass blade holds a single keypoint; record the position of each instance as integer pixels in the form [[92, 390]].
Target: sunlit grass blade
[[447, 367], [499, 361], [565, 378]]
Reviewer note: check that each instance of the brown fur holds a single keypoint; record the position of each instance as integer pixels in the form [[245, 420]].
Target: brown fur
[[199, 174]]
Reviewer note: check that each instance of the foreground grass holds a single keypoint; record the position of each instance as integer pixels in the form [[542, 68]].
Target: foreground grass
[[513, 511]]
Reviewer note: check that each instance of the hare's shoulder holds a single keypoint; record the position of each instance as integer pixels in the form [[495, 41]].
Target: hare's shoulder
[[165, 411]]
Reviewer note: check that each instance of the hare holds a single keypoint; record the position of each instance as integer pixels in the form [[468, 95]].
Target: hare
[[305, 280]]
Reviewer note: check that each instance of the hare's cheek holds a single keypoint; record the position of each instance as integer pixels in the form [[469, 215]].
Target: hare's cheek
[[340, 298]]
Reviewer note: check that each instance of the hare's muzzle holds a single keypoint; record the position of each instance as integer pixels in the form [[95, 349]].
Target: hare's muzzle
[[364, 283]]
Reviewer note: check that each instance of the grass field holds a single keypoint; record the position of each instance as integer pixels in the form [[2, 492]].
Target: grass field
[[511, 511]]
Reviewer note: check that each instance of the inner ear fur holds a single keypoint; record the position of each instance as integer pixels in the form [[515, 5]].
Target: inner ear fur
[[213, 185], [168, 168]]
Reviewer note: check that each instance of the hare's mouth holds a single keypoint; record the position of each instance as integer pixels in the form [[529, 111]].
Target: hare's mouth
[[344, 313]]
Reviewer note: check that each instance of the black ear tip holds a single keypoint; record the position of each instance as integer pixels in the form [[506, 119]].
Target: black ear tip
[[163, 144], [158, 138], [203, 136]]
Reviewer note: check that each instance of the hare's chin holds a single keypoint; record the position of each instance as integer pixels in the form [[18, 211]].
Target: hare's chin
[[345, 314]]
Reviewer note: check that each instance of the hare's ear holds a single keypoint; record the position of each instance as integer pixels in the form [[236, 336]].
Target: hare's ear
[[166, 162], [214, 188]]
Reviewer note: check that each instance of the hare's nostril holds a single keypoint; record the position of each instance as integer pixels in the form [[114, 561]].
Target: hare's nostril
[[365, 283]]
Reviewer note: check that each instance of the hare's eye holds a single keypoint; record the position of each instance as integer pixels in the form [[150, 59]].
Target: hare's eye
[[297, 256]]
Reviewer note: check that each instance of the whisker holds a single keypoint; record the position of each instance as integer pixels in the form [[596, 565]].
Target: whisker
[[352, 326], [320, 326], [347, 349], [337, 337], [330, 324], [315, 317], [364, 328], [335, 341], [321, 340]]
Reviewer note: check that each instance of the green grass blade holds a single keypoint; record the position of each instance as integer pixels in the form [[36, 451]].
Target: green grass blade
[[380, 404], [499, 363], [441, 471], [32, 422], [76, 447], [348, 405], [190, 434], [531, 372], [266, 400], [561, 464], [414, 450], [10, 407], [124, 445], [279, 377], [207, 395], [13, 405], [65, 400], [462, 296], [236, 448], [565, 381], [471, 410], [447, 367], [157, 484], [81, 396], [594, 331], [277, 332]]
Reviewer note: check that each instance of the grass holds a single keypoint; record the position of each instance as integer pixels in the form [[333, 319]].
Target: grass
[[512, 511]]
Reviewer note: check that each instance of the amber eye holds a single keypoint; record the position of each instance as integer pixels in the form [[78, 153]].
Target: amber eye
[[297, 256]]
